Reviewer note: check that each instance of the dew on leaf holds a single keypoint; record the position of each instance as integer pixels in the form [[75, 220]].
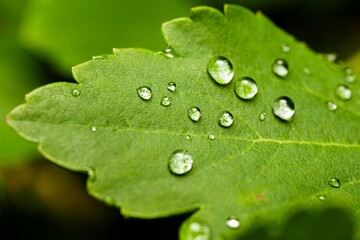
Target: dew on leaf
[[171, 86], [75, 92], [334, 182], [226, 119], [211, 137], [280, 68], [262, 116], [285, 47], [232, 222], [343, 92], [331, 57], [198, 231], [93, 128], [220, 70], [168, 52], [322, 198], [194, 114], [331, 106], [246, 88], [188, 137], [144, 93], [180, 162], [283, 108], [307, 71], [165, 101], [350, 76], [100, 57]]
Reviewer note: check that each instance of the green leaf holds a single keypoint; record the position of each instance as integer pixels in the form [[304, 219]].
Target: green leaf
[[257, 171], [67, 32]]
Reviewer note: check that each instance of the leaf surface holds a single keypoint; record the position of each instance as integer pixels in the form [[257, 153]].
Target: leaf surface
[[257, 171]]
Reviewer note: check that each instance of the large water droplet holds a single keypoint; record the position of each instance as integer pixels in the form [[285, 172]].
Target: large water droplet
[[180, 162], [331, 57], [165, 101], [198, 231], [211, 137], [194, 114], [334, 182], [285, 47], [232, 222], [168, 52], [144, 92], [246, 88], [226, 119], [171, 86], [262, 116], [280, 68], [331, 106], [75, 92], [221, 70], [283, 108], [350, 76], [93, 128], [343, 92]]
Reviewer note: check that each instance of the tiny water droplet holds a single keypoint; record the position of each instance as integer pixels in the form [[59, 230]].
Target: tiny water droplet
[[101, 57], [307, 71], [180, 162], [171, 86], [188, 137], [194, 114], [262, 116], [285, 47], [211, 137], [284, 108], [343, 92], [232, 222], [198, 231], [226, 119], [350, 76], [93, 128], [331, 106], [220, 70], [168, 52], [75, 92], [144, 93], [109, 200], [334, 182], [322, 198], [331, 57], [246, 88], [165, 101], [280, 68]]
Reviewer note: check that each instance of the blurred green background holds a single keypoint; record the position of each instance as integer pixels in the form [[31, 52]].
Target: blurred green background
[[40, 40]]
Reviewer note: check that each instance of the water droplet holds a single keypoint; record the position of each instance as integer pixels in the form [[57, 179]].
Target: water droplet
[[180, 162], [331, 57], [165, 101], [322, 198], [331, 106], [285, 47], [197, 231], [144, 92], [221, 70], [171, 86], [211, 137], [101, 57], [232, 222], [350, 76], [168, 52], [283, 108], [343, 92], [226, 119], [75, 92], [334, 182], [109, 200], [280, 68], [194, 114], [188, 137], [262, 116], [307, 71], [246, 88], [93, 128]]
